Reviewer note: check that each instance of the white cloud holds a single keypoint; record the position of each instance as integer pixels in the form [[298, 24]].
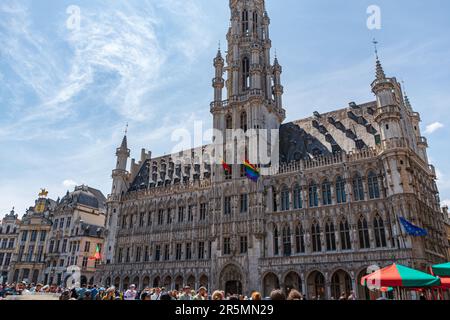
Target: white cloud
[[433, 127], [118, 57], [69, 183]]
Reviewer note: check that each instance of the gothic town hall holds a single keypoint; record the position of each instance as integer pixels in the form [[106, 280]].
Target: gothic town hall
[[329, 211]]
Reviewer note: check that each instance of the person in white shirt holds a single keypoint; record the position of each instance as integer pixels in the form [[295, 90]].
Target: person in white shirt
[[156, 294], [131, 293]]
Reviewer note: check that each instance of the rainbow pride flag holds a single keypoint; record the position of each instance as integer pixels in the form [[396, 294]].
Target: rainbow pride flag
[[251, 171]]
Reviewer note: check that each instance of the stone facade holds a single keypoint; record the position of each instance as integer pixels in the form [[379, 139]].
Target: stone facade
[[54, 238], [327, 213], [28, 261], [8, 239], [447, 226], [77, 230]]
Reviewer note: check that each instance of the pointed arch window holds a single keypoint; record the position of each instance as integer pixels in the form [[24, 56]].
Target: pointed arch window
[[245, 73], [299, 239], [358, 189], [344, 232], [330, 236], [326, 193], [380, 233], [313, 196], [363, 232], [341, 196], [284, 198], [287, 241], [255, 22], [244, 125], [245, 28], [374, 188], [229, 122], [297, 197], [275, 241], [315, 237]]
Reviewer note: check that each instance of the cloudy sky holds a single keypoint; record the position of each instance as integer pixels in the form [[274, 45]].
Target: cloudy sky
[[67, 93]]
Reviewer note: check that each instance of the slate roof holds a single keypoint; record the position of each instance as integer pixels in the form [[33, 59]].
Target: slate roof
[[86, 196], [346, 129], [342, 130]]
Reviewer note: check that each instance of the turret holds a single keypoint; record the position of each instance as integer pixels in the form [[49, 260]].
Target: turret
[[254, 91], [277, 87], [218, 81], [388, 114], [420, 141], [119, 175]]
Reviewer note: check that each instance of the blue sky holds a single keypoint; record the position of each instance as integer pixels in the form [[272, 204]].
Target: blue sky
[[66, 95]]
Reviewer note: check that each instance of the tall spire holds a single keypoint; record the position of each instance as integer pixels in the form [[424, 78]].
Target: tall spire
[[124, 144], [380, 75], [407, 103]]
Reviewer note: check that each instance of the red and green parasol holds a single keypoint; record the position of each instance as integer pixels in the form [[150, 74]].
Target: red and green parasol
[[442, 270], [445, 283], [400, 276]]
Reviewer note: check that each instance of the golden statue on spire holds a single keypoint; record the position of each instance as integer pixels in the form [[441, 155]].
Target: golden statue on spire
[[43, 193]]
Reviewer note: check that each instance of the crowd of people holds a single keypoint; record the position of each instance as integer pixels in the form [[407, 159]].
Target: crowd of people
[[93, 292]]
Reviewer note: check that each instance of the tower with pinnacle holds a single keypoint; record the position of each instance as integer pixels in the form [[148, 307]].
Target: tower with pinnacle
[[253, 85], [119, 187]]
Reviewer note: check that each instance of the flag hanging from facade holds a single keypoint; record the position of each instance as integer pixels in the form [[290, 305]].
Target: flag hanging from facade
[[226, 167], [251, 171], [97, 255], [413, 230]]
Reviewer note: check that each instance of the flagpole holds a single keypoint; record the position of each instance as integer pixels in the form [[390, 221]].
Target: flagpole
[[402, 237]]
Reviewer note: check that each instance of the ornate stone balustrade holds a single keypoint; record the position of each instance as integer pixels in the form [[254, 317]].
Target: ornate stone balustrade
[[337, 257], [169, 190]]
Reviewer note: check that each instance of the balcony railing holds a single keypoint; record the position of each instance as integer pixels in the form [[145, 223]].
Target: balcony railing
[[324, 161]]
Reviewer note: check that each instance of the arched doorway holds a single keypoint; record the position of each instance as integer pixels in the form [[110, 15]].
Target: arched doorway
[[191, 282], [292, 281], [316, 286], [35, 276], [362, 291], [203, 281], [231, 280], [156, 282], [136, 282], [179, 283], [108, 282], [341, 284], [146, 282], [270, 282], [125, 283], [16, 275], [83, 280], [168, 283], [117, 282], [91, 281]]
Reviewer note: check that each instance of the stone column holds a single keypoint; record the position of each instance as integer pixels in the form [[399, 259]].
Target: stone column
[[304, 284]]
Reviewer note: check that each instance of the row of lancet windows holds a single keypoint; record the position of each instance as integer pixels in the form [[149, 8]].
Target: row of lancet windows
[[343, 232], [246, 24], [325, 189], [166, 216], [242, 118]]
